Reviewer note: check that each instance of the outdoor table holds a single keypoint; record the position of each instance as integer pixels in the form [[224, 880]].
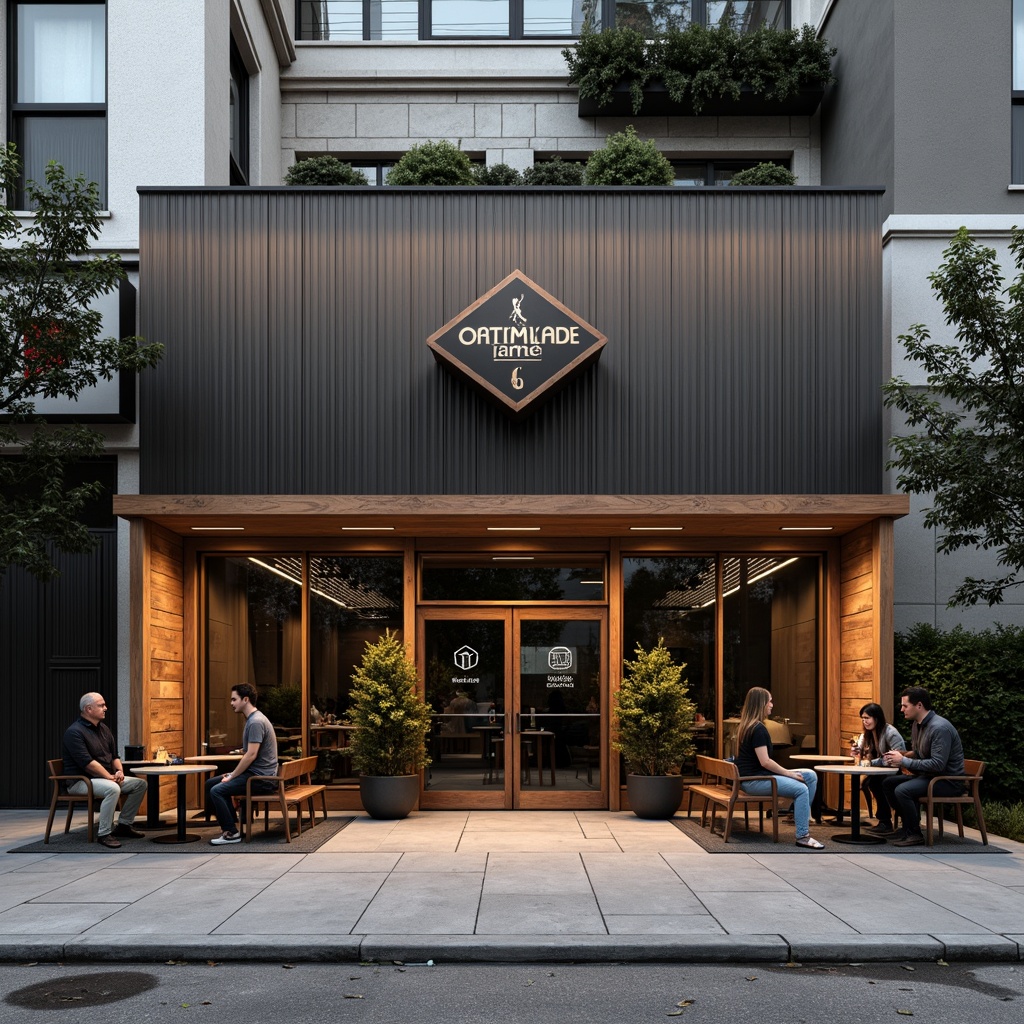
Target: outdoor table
[[541, 735], [153, 819], [854, 836], [179, 771], [818, 799], [488, 732]]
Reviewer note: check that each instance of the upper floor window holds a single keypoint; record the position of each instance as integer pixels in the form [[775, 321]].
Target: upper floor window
[[523, 19], [58, 110], [1017, 97], [239, 118]]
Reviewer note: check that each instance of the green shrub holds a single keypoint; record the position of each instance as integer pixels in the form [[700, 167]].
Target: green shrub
[[699, 64], [497, 174], [392, 718], [626, 159], [765, 173], [554, 172], [1005, 820], [654, 714], [324, 170], [976, 680], [433, 163]]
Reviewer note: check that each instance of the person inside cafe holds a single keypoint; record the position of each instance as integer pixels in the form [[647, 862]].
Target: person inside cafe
[[935, 749], [259, 757], [877, 738], [754, 757], [89, 749]]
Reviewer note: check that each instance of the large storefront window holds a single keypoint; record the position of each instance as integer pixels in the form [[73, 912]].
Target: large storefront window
[[254, 635], [770, 613]]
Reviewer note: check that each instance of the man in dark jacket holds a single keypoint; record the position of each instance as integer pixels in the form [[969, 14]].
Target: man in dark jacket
[[935, 750], [89, 749]]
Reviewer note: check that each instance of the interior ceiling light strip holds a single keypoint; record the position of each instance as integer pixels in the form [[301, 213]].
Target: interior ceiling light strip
[[365, 603], [362, 528], [701, 593], [220, 528], [509, 529], [512, 558], [806, 529], [639, 529]]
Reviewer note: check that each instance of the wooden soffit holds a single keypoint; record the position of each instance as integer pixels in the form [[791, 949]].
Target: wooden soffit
[[484, 515]]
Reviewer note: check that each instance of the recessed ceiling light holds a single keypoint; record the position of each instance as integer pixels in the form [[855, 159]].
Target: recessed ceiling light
[[359, 529], [641, 528], [512, 558], [509, 529], [220, 528], [806, 529]]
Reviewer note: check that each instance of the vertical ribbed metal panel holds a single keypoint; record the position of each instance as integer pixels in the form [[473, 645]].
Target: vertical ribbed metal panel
[[744, 353]]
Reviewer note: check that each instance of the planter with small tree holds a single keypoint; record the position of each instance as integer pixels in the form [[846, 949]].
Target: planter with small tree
[[389, 742], [324, 170], [654, 717]]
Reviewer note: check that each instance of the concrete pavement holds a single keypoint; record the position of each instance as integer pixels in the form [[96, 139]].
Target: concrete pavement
[[526, 886]]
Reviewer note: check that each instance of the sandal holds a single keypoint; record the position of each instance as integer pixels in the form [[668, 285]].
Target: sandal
[[810, 842]]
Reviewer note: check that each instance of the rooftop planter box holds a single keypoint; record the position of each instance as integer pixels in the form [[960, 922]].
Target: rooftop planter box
[[700, 72]]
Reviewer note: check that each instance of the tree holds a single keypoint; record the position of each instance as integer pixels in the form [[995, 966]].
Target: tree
[[50, 346], [432, 163], [626, 159], [324, 170], [969, 451], [764, 173]]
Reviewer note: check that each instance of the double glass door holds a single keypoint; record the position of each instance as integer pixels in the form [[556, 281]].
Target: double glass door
[[519, 707]]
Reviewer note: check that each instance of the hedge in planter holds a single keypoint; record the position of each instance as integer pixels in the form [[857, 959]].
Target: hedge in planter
[[324, 170], [764, 173], [433, 163]]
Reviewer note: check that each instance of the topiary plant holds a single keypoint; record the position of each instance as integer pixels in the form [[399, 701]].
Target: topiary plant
[[433, 163], [764, 173], [324, 170], [654, 714], [391, 716], [497, 174], [626, 159], [554, 172]]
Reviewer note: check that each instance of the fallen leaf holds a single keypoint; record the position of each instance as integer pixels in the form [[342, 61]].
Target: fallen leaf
[[399, 962], [31, 963], [907, 967], [942, 963], [351, 995], [752, 977], [401, 970], [177, 963], [792, 963], [528, 984], [206, 1002], [674, 1013], [685, 1002], [212, 963], [355, 977], [288, 967], [185, 1006], [906, 1013]]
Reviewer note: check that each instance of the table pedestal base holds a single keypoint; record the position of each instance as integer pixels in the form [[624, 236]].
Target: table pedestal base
[[861, 840], [173, 837]]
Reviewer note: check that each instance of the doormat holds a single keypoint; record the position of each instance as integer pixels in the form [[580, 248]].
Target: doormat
[[273, 841], [742, 841]]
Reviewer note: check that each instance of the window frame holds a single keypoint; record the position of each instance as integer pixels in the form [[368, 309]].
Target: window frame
[[240, 78], [1016, 95], [18, 111]]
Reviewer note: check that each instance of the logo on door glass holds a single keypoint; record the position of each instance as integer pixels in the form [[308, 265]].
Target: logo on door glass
[[559, 659], [466, 658]]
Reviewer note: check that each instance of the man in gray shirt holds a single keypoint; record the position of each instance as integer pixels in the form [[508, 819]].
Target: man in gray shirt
[[935, 750], [259, 757]]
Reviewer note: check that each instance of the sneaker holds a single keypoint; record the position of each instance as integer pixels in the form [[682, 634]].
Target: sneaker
[[810, 843], [911, 839], [883, 828], [892, 832], [126, 831], [108, 841], [225, 838]]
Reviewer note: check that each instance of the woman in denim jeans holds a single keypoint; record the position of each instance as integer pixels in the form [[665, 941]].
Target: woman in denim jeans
[[755, 758]]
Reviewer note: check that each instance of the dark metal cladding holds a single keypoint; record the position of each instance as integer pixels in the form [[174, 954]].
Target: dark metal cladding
[[744, 346]]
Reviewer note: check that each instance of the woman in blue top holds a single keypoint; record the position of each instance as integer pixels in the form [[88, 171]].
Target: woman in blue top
[[755, 758]]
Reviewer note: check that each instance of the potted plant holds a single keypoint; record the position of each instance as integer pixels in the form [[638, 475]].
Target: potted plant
[[654, 716], [389, 743]]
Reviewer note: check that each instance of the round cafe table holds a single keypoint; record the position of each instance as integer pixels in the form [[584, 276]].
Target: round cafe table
[[818, 801], [179, 771], [855, 836], [153, 820]]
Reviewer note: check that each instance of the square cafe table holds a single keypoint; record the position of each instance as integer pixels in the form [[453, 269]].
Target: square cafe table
[[855, 836]]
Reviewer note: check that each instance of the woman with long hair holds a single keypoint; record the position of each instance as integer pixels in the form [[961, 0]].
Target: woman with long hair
[[754, 757], [878, 737]]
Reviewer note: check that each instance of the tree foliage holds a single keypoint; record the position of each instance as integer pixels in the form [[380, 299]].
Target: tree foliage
[[654, 713], [497, 174], [976, 680], [626, 159], [764, 173], [324, 170], [50, 346], [967, 451], [432, 163], [554, 172], [392, 718]]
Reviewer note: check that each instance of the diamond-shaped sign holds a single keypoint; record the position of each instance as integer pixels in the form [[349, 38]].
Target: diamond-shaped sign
[[517, 343]]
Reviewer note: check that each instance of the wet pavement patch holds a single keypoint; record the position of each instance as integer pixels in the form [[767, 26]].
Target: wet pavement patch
[[83, 990]]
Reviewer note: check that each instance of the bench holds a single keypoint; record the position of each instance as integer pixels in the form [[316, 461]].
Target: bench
[[295, 787], [719, 786]]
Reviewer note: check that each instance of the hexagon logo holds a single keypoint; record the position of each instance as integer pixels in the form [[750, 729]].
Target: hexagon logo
[[465, 658], [517, 344]]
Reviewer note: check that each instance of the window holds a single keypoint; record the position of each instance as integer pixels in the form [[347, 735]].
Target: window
[[59, 90], [713, 172], [523, 19], [239, 118], [1017, 97], [376, 173]]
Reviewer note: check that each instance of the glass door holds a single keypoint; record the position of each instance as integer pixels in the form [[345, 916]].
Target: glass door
[[519, 707], [559, 708]]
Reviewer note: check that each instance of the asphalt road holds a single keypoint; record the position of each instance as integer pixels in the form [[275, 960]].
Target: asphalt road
[[471, 994]]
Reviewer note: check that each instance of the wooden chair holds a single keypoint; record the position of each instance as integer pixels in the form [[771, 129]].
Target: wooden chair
[[60, 796], [973, 771]]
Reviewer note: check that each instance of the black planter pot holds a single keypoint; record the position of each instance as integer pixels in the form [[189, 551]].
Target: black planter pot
[[389, 796], [654, 796]]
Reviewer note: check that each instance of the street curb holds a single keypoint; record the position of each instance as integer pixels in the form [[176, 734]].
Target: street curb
[[537, 949]]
